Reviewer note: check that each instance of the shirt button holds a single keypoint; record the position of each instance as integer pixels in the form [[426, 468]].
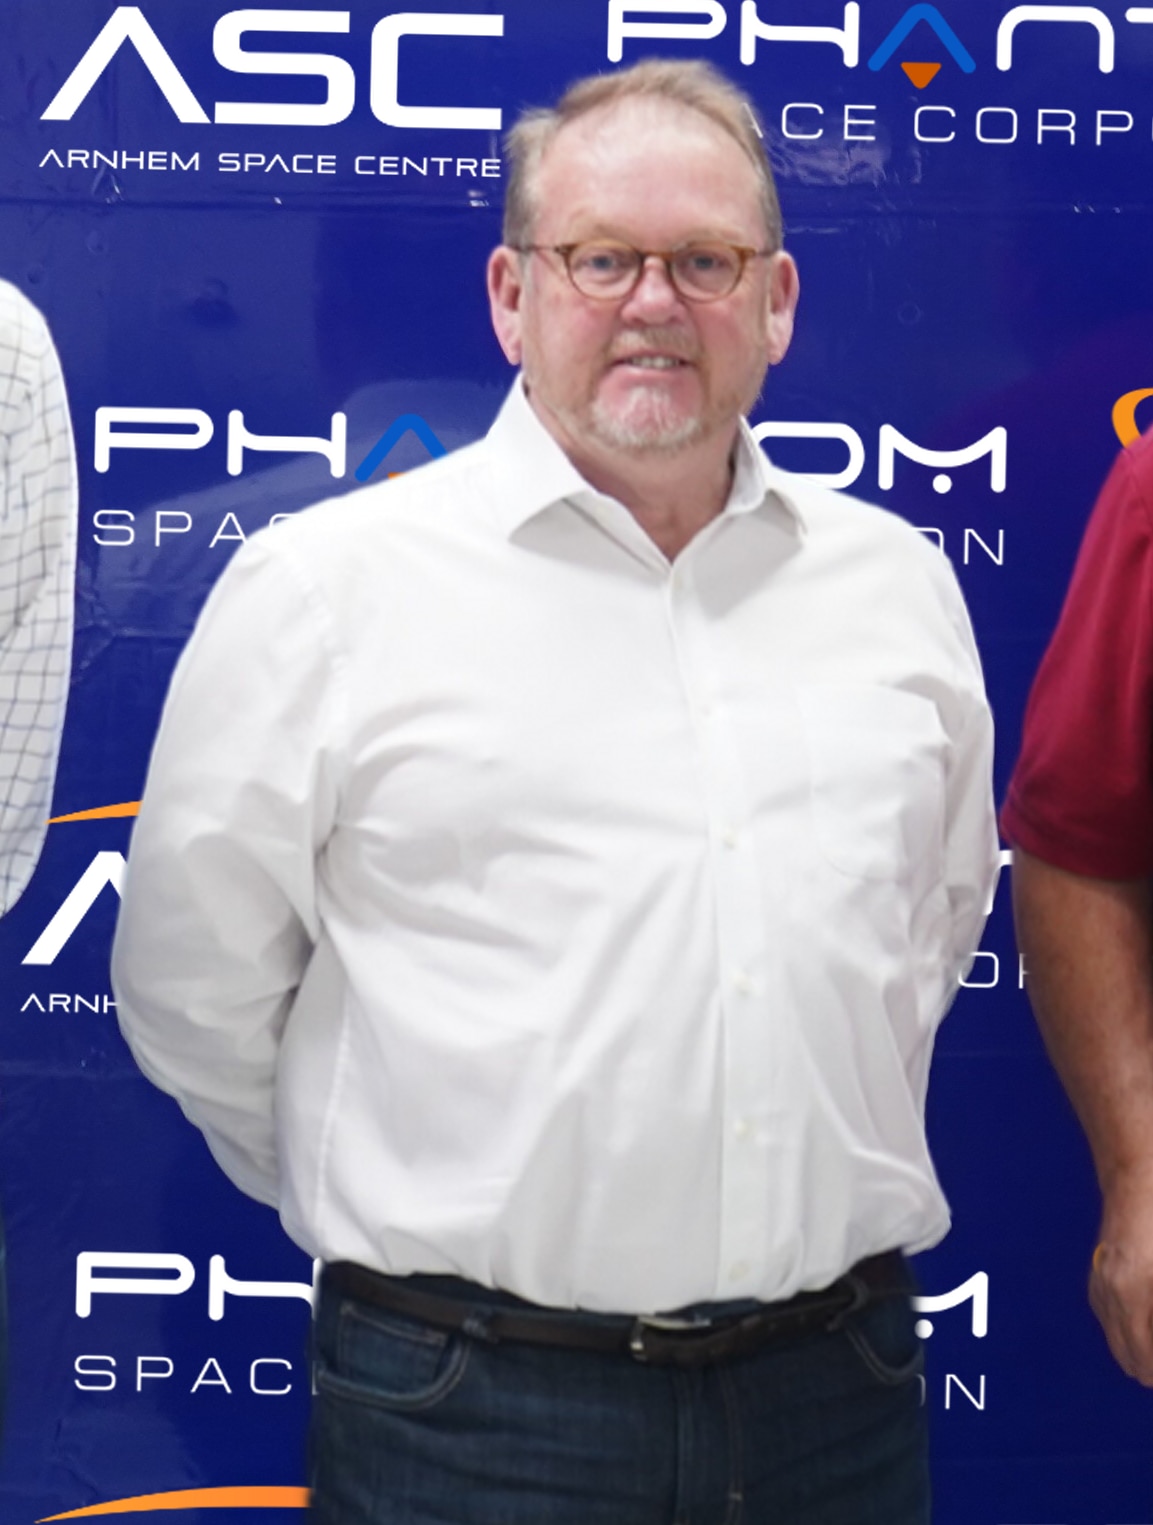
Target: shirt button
[[741, 1129], [730, 838], [742, 984], [738, 1270]]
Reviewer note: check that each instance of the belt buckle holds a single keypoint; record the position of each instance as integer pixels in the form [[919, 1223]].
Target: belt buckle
[[661, 1324]]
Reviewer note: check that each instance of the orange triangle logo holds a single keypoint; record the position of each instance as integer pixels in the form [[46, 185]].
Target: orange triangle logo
[[921, 74]]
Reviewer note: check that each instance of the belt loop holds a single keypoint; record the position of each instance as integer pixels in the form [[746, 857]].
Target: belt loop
[[478, 1326], [637, 1347]]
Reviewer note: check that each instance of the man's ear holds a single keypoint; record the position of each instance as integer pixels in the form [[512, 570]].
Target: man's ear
[[505, 295], [784, 289]]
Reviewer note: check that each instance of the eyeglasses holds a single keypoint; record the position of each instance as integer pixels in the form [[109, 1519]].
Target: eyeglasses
[[608, 271]]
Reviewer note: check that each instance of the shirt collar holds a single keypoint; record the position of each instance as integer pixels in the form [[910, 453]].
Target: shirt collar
[[534, 473]]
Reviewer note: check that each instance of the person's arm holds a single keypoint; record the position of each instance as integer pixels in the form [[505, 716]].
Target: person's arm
[[37, 571], [1079, 814], [219, 915], [1088, 946], [972, 848]]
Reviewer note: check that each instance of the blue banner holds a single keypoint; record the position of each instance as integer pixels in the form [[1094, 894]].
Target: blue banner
[[259, 240]]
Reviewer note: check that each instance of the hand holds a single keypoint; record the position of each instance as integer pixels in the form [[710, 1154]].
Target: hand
[[1121, 1278]]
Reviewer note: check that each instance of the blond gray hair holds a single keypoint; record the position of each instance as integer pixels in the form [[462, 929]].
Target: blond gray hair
[[694, 84]]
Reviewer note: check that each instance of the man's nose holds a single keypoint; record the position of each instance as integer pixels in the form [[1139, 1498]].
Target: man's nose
[[654, 289]]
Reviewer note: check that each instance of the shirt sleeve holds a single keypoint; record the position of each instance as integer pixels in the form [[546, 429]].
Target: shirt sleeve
[[219, 913], [1081, 796], [37, 576]]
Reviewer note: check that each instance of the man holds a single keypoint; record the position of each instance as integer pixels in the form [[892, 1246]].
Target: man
[[553, 869], [37, 569], [1080, 816]]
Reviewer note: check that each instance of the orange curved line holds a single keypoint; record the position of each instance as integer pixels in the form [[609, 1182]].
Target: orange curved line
[[101, 813], [194, 1498], [1125, 415]]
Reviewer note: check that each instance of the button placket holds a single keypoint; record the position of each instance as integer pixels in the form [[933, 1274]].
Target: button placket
[[747, 1090]]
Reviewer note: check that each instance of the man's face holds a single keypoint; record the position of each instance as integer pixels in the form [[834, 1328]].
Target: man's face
[[650, 372]]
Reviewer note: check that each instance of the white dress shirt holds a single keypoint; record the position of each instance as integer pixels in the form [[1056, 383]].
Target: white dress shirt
[[508, 902], [37, 573]]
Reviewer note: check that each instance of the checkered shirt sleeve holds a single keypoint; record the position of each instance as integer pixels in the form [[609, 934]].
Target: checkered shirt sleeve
[[37, 573]]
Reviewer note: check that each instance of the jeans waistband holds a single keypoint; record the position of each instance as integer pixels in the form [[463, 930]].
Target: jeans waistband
[[693, 1336]]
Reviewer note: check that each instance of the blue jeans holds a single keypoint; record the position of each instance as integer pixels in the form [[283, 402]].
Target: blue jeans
[[415, 1426]]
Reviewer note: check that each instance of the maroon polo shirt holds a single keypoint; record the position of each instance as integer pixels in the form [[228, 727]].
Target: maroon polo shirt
[[1081, 795]]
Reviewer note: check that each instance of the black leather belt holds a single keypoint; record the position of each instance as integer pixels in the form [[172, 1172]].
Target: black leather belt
[[689, 1339]]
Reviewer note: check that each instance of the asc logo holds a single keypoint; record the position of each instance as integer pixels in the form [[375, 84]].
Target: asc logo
[[128, 24]]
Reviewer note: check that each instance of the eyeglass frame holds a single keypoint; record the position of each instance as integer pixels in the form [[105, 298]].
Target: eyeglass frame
[[666, 256]]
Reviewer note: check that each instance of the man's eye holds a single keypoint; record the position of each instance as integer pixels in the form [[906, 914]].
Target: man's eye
[[706, 261], [604, 262]]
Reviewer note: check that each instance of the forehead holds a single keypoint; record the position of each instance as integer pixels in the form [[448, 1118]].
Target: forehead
[[647, 170]]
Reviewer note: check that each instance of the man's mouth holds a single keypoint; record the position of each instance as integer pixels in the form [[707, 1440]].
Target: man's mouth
[[651, 362]]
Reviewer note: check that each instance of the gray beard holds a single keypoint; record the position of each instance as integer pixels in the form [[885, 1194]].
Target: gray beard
[[648, 432]]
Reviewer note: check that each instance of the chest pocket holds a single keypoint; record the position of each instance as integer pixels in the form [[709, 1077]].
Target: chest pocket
[[877, 769]]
